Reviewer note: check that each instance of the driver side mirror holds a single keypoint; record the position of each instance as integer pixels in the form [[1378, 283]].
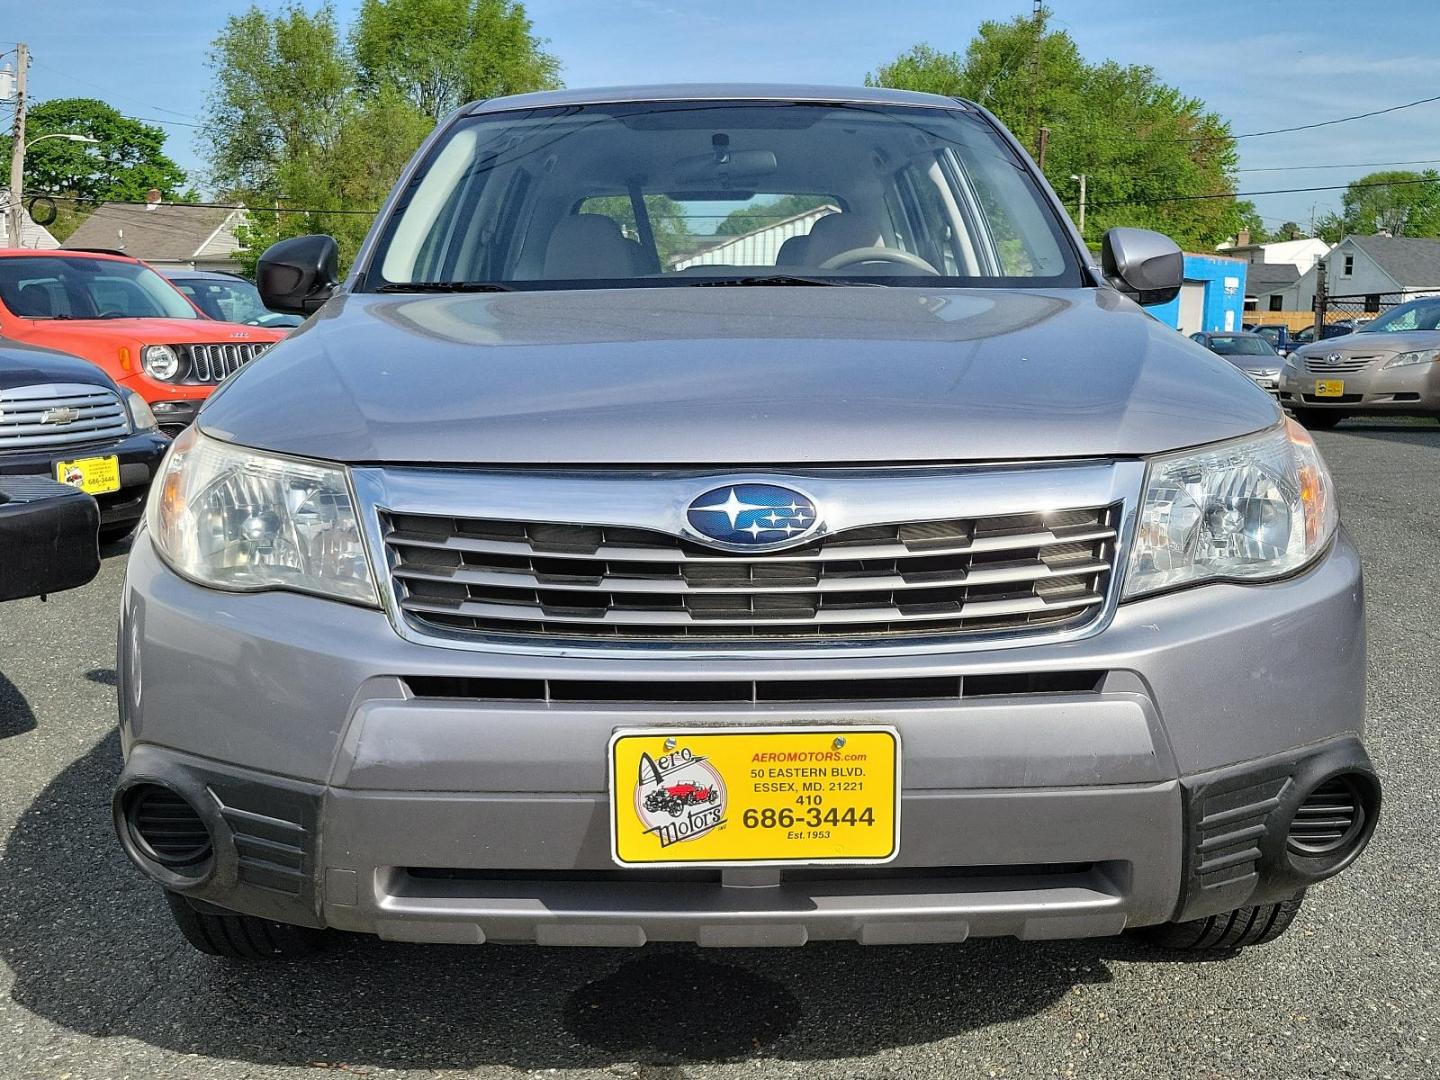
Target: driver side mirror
[[1146, 266], [299, 274]]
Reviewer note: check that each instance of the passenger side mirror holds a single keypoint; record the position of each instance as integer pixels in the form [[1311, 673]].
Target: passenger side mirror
[[49, 537], [1146, 266], [299, 274]]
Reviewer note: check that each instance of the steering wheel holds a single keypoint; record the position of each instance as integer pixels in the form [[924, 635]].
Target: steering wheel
[[856, 256]]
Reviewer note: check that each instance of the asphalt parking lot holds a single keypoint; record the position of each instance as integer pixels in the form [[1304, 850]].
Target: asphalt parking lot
[[95, 983]]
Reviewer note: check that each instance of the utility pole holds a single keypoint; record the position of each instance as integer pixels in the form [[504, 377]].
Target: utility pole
[[17, 148], [1041, 143], [1037, 117], [1081, 178]]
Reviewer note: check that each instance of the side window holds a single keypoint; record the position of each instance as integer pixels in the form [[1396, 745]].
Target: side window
[[1198, 337]]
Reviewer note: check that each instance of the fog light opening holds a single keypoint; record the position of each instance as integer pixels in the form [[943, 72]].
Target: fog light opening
[[166, 829], [1330, 819]]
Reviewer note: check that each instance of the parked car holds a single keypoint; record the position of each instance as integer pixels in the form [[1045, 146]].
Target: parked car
[[930, 550], [1387, 367], [229, 298], [48, 537], [123, 317], [1251, 353], [63, 418], [1281, 338]]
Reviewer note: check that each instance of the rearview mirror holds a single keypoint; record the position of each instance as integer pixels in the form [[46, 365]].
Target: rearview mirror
[[1146, 266], [49, 537], [299, 274]]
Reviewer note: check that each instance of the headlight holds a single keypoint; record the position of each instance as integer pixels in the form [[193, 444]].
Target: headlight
[[1410, 359], [141, 418], [234, 518], [1248, 510], [160, 362]]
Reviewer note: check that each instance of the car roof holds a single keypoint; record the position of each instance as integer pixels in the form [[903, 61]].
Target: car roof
[[608, 95], [174, 272], [66, 253], [1232, 333]]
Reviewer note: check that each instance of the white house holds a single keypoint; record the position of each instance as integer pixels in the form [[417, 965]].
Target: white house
[[1275, 269], [1371, 267], [35, 237], [759, 247], [171, 236]]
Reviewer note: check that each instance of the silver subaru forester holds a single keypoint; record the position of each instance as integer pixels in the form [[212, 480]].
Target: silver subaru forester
[[743, 516]]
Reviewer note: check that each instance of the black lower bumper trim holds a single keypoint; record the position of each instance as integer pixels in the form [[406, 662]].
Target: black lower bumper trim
[[1237, 827]]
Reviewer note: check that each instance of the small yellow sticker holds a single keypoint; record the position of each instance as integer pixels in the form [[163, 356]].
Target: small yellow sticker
[[755, 796]]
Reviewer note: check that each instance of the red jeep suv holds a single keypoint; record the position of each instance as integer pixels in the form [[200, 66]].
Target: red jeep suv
[[125, 318]]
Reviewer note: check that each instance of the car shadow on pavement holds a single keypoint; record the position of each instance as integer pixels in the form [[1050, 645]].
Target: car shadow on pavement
[[92, 949], [16, 716]]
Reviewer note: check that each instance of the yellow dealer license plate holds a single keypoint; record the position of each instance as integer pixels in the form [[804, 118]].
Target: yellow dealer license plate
[[754, 796], [95, 475], [1329, 387]]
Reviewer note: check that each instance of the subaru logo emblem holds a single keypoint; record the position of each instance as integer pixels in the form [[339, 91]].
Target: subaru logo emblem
[[752, 515]]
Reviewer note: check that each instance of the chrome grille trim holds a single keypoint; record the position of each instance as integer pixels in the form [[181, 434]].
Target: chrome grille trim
[[1318, 365], [214, 363], [491, 560], [100, 415]]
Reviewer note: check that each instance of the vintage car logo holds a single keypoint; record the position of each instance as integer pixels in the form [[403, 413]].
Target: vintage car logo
[[62, 415], [754, 515], [679, 796]]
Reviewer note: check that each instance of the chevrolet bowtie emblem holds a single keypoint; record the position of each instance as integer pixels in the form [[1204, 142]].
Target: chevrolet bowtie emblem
[[63, 415]]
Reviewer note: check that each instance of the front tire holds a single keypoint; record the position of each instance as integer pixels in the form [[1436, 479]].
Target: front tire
[[1318, 419], [1228, 931], [233, 936]]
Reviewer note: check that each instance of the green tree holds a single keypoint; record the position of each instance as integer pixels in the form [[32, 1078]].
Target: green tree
[[1139, 142], [442, 53], [1402, 203], [305, 117], [749, 218], [667, 222], [126, 162]]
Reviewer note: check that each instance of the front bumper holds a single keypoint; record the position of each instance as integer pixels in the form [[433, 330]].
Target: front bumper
[[348, 799], [140, 456], [1374, 390]]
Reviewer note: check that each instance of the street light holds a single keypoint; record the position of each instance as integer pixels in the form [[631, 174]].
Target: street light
[[1081, 178], [67, 136], [14, 212]]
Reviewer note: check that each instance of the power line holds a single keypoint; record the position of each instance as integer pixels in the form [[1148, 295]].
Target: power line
[[156, 120], [1272, 191], [1351, 165], [207, 205], [1286, 130], [103, 90]]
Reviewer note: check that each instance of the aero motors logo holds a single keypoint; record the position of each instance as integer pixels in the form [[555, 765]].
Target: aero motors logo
[[679, 796]]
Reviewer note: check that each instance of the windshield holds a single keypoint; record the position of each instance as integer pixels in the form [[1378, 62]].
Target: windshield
[[39, 287], [1416, 315], [1241, 346], [229, 301], [689, 193]]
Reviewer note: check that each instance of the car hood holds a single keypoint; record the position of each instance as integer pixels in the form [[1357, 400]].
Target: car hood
[[1374, 344], [1266, 362], [71, 333], [734, 376], [26, 365]]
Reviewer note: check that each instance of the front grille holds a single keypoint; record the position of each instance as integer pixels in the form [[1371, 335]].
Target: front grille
[[754, 691], [1011, 573], [59, 414], [212, 363], [1318, 365], [1342, 399]]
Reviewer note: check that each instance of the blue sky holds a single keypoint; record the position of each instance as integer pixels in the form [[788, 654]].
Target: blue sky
[[1260, 63]]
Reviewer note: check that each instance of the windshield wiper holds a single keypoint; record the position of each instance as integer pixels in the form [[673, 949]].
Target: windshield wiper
[[777, 279], [446, 286]]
